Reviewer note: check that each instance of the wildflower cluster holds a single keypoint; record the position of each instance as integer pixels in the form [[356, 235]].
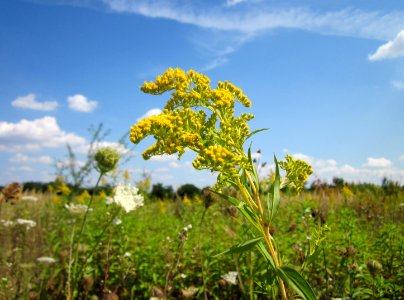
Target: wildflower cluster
[[128, 197], [199, 118], [297, 172]]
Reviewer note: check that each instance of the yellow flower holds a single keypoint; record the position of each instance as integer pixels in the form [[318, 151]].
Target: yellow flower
[[198, 118]]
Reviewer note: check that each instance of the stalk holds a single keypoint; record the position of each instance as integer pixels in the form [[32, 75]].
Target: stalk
[[274, 256], [81, 232]]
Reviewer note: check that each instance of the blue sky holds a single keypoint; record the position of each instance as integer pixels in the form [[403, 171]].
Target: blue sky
[[327, 78]]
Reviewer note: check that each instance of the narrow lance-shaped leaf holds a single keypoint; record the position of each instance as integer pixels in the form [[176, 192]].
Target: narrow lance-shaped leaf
[[242, 247], [296, 282], [244, 209], [255, 131], [264, 252], [274, 195], [254, 173]]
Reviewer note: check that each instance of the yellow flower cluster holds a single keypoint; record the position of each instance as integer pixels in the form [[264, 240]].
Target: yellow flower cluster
[[297, 172], [199, 118]]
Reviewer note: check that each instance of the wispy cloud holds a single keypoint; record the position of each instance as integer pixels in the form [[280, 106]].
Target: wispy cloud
[[250, 18], [29, 102], [391, 49], [254, 19], [81, 103], [230, 3]]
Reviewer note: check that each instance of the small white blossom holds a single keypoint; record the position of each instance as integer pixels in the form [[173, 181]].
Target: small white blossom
[[28, 223], [46, 259], [127, 254], [230, 277], [7, 223], [29, 198], [117, 221], [77, 208], [128, 197], [186, 228], [109, 201], [183, 276]]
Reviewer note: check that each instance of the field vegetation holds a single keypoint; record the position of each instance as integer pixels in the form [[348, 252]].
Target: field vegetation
[[169, 247]]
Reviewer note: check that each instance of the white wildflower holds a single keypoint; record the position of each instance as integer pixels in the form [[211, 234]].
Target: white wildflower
[[28, 223], [46, 259], [183, 276], [109, 201], [127, 254], [29, 198], [186, 228], [128, 197], [76, 208], [7, 223], [230, 277], [117, 221]]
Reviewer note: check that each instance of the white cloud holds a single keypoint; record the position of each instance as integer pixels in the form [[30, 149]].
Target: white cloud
[[378, 162], [165, 157], [29, 102], [402, 157], [398, 84], [120, 148], [81, 103], [254, 19], [391, 49], [19, 158], [230, 3], [29, 135], [149, 113], [22, 158]]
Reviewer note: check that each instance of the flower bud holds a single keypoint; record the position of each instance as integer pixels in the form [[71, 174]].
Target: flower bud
[[107, 159]]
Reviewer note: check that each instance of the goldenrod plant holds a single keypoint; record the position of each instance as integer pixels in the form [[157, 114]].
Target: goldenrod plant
[[202, 119]]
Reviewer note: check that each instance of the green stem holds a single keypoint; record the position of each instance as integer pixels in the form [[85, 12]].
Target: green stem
[[76, 252]]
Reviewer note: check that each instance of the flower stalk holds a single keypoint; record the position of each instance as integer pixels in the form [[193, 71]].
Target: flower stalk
[[202, 119]]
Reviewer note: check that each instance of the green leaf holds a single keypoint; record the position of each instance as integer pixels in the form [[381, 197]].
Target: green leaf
[[265, 254], [256, 178], [246, 211], [294, 280], [255, 131], [242, 247], [274, 195]]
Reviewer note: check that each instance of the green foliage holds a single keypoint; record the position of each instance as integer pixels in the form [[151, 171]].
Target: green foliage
[[188, 190], [161, 192], [361, 257]]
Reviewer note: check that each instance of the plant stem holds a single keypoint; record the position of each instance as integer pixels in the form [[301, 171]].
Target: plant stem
[[274, 256], [82, 229]]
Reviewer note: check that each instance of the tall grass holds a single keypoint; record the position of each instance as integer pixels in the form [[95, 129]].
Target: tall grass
[[361, 258]]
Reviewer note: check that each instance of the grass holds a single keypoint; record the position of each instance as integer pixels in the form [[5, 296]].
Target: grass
[[150, 254]]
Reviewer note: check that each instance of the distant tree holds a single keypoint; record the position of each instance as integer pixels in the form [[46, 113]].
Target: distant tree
[[35, 186], [161, 192], [390, 187], [338, 182], [189, 190]]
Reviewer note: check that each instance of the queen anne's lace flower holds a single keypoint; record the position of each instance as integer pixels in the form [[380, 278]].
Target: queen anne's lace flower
[[46, 259], [128, 197], [28, 223], [76, 208], [230, 277]]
